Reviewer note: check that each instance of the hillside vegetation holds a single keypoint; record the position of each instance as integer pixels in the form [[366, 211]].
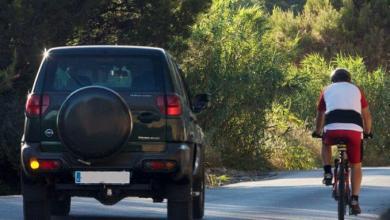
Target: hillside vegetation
[[263, 61]]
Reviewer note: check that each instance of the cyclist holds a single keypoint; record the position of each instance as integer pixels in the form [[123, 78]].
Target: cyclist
[[342, 112]]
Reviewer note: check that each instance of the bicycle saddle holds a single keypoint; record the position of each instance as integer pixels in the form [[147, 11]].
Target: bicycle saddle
[[340, 141]]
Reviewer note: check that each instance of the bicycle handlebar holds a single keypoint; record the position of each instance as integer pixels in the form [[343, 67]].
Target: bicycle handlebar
[[365, 135], [316, 135], [368, 136]]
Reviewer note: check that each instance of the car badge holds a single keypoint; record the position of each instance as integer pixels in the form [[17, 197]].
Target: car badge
[[49, 132]]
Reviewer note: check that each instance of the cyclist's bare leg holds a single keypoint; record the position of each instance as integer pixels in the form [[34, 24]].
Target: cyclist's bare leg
[[356, 178], [326, 154]]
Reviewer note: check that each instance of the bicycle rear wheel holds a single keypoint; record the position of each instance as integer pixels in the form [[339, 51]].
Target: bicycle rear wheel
[[341, 188]]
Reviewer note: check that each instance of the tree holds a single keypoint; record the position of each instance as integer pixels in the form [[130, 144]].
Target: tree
[[5, 36], [366, 30], [162, 23]]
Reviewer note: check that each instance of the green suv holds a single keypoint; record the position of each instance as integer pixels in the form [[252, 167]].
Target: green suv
[[110, 122]]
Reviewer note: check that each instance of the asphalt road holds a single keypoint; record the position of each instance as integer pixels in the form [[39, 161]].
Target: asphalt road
[[288, 195]]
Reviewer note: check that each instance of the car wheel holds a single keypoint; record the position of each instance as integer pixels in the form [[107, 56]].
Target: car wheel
[[180, 201], [60, 206], [199, 196], [35, 200]]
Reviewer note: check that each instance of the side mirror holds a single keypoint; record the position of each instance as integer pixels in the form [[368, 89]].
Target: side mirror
[[201, 102]]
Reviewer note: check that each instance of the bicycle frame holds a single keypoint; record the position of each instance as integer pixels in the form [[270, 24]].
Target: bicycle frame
[[341, 186]]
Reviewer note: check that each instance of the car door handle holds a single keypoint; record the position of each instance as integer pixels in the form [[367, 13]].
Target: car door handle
[[149, 117]]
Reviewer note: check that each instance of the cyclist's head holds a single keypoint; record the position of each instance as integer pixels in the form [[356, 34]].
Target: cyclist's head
[[340, 75]]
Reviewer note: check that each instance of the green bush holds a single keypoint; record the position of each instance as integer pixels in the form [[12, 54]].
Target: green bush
[[314, 29], [288, 142], [365, 26], [228, 58]]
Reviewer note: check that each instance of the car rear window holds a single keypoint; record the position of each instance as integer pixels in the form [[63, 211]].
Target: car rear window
[[129, 73]]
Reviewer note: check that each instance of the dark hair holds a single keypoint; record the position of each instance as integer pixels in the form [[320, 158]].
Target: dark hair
[[340, 75]]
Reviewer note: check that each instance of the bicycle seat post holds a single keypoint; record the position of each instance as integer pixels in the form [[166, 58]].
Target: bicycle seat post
[[341, 144]]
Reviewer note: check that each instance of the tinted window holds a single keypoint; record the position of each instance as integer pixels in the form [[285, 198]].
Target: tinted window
[[185, 87], [134, 73], [177, 80]]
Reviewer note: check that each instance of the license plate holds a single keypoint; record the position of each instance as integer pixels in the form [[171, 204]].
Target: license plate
[[102, 177]]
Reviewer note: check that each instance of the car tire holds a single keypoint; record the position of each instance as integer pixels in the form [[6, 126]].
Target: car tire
[[35, 200], [199, 199], [60, 206], [180, 201]]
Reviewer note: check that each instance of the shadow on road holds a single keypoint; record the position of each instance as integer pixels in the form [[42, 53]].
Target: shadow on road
[[80, 217], [367, 171], [385, 215]]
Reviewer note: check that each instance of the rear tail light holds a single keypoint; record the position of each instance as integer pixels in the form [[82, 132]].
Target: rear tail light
[[37, 105], [44, 164], [159, 165], [169, 105], [173, 106]]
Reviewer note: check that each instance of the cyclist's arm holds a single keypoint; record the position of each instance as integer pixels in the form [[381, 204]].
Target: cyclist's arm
[[366, 115], [320, 120], [367, 120]]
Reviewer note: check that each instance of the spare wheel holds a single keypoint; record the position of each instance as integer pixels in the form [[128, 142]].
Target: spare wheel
[[94, 122]]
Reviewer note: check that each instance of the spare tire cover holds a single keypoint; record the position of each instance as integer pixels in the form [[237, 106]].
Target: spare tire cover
[[94, 122]]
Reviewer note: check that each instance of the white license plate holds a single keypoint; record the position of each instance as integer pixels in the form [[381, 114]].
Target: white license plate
[[102, 177]]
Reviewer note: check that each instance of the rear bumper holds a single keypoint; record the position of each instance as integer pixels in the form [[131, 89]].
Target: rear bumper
[[181, 153], [111, 194]]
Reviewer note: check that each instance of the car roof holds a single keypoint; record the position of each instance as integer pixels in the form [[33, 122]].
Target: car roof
[[107, 49]]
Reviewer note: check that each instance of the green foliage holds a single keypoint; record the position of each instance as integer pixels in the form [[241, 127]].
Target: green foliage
[[304, 83], [6, 77], [5, 37], [284, 36], [297, 157], [365, 27], [294, 5], [228, 59], [313, 30], [287, 141], [328, 27], [163, 23]]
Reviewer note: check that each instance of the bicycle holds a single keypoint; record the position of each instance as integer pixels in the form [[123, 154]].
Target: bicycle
[[341, 191], [341, 187]]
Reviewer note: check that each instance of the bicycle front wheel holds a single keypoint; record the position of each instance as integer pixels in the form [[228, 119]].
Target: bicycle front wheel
[[341, 188]]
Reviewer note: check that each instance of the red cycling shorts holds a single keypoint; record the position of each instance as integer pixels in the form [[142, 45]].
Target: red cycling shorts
[[353, 140]]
